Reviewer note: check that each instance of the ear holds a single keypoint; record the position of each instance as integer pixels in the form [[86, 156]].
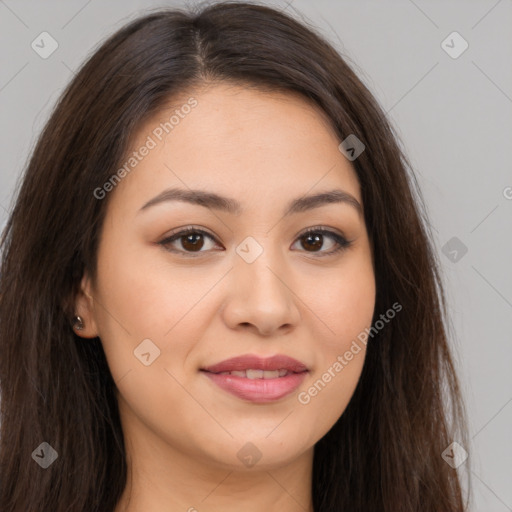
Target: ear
[[84, 308]]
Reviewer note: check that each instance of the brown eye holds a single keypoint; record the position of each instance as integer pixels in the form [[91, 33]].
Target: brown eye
[[313, 241], [191, 240]]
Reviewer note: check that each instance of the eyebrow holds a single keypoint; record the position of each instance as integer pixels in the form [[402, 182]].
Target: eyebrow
[[232, 206]]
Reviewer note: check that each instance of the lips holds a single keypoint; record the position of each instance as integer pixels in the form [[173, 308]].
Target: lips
[[257, 379], [258, 374], [250, 362]]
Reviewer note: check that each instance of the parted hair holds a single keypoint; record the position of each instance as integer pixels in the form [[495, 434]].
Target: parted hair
[[384, 452]]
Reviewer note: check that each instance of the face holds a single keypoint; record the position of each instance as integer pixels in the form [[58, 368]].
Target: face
[[281, 282]]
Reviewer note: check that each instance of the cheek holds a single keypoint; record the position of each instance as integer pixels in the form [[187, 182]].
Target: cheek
[[328, 394], [138, 301], [344, 310], [134, 285], [344, 303]]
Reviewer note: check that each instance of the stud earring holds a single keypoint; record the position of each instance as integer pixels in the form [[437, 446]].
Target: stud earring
[[78, 323]]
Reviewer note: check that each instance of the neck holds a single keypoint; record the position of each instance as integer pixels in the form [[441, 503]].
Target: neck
[[168, 478]]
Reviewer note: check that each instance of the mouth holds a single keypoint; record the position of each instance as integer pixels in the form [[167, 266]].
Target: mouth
[[256, 379], [254, 373]]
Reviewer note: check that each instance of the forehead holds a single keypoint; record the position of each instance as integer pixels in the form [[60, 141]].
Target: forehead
[[239, 141]]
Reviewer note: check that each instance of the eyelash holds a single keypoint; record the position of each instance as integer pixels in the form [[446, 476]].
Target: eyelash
[[342, 243]]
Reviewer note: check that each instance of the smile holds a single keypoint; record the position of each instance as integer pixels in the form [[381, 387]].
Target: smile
[[257, 374], [256, 379]]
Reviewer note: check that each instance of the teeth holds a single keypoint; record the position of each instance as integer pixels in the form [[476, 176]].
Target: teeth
[[257, 374], [254, 374]]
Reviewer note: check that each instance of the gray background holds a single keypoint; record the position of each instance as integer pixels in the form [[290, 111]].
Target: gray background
[[453, 116]]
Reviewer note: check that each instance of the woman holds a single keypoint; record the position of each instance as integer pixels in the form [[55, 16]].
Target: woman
[[218, 287]]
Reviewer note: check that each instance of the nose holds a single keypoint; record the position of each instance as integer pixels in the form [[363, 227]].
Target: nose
[[261, 297]]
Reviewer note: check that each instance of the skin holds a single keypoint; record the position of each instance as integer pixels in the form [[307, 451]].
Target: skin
[[182, 432]]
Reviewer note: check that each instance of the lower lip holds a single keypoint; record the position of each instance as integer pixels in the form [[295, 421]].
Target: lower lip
[[258, 390]]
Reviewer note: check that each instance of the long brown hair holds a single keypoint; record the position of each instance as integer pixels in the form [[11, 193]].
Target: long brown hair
[[384, 452]]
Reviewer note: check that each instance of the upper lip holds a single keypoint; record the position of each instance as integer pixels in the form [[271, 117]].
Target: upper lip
[[253, 362]]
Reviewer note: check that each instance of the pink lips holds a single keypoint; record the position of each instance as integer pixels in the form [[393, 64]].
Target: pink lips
[[259, 390]]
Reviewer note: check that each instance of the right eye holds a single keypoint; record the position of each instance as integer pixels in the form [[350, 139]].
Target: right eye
[[191, 240]]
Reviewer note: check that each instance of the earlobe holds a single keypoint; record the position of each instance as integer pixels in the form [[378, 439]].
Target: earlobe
[[78, 323], [83, 322]]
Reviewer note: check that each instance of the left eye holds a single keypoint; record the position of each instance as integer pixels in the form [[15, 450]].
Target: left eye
[[192, 241], [315, 238]]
